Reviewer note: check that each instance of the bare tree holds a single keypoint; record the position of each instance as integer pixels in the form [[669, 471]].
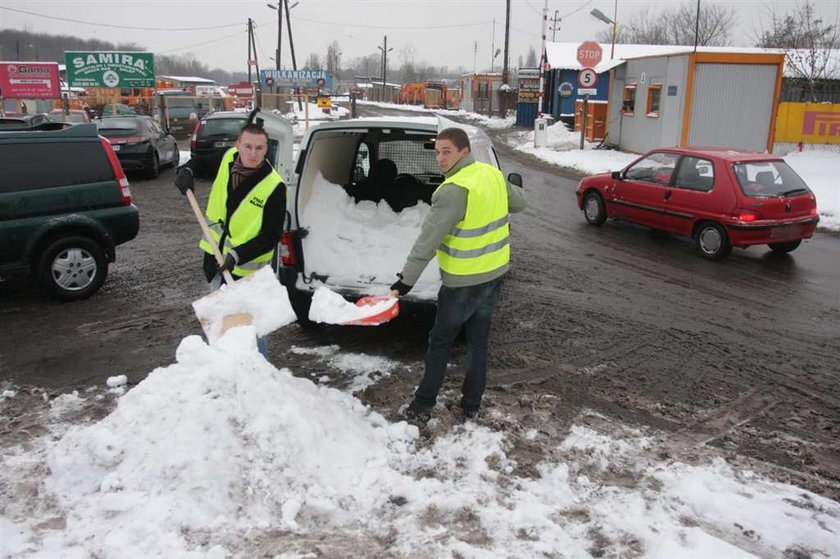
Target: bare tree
[[808, 43], [408, 69], [531, 59], [313, 62], [333, 58], [675, 26]]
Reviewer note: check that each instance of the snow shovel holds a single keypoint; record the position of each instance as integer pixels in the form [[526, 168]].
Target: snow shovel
[[231, 320], [381, 316]]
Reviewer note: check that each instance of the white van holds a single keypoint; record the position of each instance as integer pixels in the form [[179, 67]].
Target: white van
[[361, 191]]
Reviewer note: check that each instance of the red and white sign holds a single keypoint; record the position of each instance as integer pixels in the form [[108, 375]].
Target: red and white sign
[[29, 80], [589, 54], [241, 89], [587, 77]]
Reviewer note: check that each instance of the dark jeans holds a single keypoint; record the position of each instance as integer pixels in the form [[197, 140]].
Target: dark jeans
[[470, 307]]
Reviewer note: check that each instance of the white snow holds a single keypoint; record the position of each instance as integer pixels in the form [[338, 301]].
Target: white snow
[[221, 448], [363, 369], [362, 245], [819, 169], [259, 295], [117, 380], [330, 307]]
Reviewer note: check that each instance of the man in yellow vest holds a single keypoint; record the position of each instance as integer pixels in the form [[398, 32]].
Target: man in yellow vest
[[245, 210], [467, 229]]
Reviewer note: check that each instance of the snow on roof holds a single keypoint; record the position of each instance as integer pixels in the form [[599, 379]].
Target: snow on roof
[[189, 79], [563, 56]]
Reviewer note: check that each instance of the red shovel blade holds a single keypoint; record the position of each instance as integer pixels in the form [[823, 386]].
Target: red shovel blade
[[379, 318]]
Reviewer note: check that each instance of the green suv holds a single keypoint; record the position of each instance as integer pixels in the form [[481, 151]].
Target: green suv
[[65, 205]]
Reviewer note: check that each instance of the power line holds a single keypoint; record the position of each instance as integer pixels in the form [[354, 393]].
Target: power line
[[585, 4], [217, 39], [536, 11], [392, 27], [120, 26]]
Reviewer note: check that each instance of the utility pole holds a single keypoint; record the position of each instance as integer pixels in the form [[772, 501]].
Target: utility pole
[[555, 28], [507, 39], [475, 54], [493, 47], [697, 26], [289, 28], [384, 50], [542, 61], [250, 32], [279, 37]]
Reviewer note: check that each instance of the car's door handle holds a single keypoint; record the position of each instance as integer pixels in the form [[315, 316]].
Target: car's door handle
[[667, 194]]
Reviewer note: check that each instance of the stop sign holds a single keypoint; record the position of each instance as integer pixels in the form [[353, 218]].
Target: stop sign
[[589, 54]]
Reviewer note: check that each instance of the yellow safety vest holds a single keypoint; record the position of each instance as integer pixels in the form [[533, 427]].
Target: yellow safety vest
[[247, 218], [479, 243]]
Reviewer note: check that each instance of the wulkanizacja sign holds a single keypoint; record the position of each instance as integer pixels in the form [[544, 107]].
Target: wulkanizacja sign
[[296, 78], [110, 69]]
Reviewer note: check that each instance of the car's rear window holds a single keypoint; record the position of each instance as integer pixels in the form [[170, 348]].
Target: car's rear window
[[768, 179], [43, 165], [107, 124], [219, 127], [416, 156]]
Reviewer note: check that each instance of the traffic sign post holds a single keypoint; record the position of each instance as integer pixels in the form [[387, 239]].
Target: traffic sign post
[[589, 54]]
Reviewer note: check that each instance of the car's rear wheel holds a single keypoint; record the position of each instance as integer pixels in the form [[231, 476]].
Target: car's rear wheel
[[73, 268], [711, 241], [593, 208], [153, 171], [785, 247]]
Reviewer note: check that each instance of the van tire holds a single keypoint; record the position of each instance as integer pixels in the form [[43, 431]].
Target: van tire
[[301, 301], [73, 268], [154, 167]]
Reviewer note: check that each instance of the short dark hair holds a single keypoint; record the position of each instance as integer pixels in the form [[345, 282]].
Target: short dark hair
[[253, 128], [455, 135]]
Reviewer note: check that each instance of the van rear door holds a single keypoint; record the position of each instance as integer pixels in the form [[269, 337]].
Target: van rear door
[[280, 142]]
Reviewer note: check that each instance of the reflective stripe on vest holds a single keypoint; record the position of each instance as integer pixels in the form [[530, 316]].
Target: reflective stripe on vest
[[246, 221], [480, 243]]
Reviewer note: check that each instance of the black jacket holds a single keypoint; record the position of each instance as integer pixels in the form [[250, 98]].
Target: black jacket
[[274, 213]]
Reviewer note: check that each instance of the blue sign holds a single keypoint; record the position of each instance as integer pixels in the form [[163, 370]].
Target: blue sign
[[296, 78], [672, 91]]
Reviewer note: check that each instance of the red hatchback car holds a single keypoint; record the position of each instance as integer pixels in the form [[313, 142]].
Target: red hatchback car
[[719, 197]]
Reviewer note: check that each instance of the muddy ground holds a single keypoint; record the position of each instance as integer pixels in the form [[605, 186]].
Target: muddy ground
[[605, 326]]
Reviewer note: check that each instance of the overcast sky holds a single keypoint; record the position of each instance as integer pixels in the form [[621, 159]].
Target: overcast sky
[[440, 32]]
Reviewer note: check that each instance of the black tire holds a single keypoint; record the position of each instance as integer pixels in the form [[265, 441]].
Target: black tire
[[73, 268], [594, 209], [711, 241], [153, 171], [784, 248]]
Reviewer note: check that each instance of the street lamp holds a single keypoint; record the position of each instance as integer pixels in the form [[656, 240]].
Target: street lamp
[[598, 14], [279, 10]]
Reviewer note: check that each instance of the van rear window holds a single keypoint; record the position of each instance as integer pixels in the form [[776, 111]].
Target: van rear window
[[43, 165], [227, 127]]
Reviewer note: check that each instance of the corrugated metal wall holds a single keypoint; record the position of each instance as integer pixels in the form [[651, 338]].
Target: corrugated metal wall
[[722, 114]]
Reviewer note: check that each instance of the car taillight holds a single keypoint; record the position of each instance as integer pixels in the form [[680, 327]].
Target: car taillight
[[746, 215], [194, 139], [813, 211], [119, 174], [287, 249], [129, 140]]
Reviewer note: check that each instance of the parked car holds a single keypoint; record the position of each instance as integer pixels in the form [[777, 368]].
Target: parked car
[[61, 221], [214, 135], [718, 197], [76, 116], [140, 143], [114, 109], [361, 192], [19, 121]]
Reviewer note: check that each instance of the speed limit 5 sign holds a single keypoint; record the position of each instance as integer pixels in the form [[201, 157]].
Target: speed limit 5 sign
[[587, 77]]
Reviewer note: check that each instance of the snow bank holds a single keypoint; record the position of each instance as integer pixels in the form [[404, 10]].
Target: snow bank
[[819, 170], [362, 245]]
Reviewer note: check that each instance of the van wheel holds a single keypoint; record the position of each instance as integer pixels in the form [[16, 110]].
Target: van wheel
[[593, 208], [784, 248], [154, 167], [711, 241], [73, 268]]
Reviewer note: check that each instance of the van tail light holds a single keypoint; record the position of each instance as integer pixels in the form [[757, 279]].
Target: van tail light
[[194, 139], [288, 257], [746, 215], [119, 174]]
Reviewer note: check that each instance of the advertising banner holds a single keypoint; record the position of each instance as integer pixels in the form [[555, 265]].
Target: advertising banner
[[296, 78], [529, 85], [29, 80], [809, 123], [110, 69]]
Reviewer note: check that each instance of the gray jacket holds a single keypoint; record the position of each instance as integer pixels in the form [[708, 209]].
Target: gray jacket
[[449, 206]]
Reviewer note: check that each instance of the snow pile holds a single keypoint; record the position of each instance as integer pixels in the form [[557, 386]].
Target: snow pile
[[331, 308], [259, 295], [362, 245], [363, 369], [314, 112], [819, 170], [222, 441]]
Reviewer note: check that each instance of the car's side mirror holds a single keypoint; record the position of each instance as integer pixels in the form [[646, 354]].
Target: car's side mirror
[[515, 178], [617, 175]]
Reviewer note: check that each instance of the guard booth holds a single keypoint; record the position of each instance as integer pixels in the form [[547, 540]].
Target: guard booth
[[528, 96]]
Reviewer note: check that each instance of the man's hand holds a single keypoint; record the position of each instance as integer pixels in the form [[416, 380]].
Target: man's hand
[[400, 288], [395, 293], [184, 180], [230, 262]]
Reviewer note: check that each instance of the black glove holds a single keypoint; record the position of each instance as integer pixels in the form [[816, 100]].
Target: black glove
[[184, 180], [230, 262], [401, 287]]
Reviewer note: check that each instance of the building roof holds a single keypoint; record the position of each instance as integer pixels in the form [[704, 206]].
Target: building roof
[[563, 56], [189, 79]]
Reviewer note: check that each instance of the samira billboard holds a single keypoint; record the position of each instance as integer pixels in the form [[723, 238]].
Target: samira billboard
[[29, 80]]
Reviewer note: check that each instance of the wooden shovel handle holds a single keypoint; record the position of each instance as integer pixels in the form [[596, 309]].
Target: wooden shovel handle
[[207, 236]]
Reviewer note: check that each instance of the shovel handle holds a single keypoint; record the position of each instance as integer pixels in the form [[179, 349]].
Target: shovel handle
[[207, 236]]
